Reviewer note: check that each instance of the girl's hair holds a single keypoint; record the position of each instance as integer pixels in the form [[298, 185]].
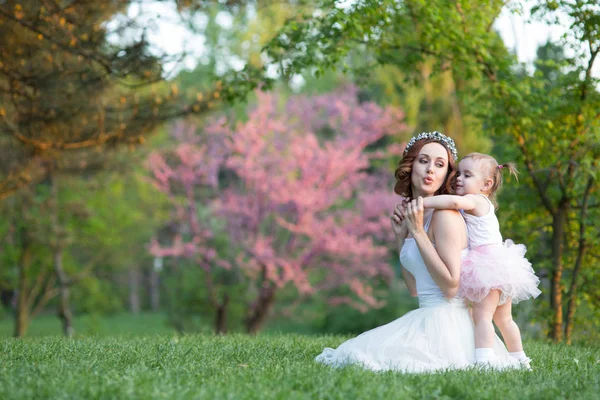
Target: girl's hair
[[493, 170], [403, 173]]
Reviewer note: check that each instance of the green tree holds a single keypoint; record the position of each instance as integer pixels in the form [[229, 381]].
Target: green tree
[[27, 271], [64, 86]]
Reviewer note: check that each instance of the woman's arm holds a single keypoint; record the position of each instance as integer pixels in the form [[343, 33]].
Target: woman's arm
[[450, 237], [409, 279], [410, 282], [401, 230], [443, 261]]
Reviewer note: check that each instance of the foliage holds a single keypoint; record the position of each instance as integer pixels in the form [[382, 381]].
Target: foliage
[[95, 296], [348, 320]]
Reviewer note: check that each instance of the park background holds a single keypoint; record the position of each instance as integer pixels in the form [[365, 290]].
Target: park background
[[176, 169]]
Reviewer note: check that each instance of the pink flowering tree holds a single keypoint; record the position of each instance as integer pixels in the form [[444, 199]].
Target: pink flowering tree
[[188, 175], [306, 210]]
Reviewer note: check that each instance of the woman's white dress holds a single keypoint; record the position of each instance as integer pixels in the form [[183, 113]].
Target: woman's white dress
[[437, 336]]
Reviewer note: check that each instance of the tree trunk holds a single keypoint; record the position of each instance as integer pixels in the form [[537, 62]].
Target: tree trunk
[[260, 309], [221, 317], [22, 312], [581, 250], [64, 310], [174, 308], [572, 303], [154, 289], [558, 233], [134, 290]]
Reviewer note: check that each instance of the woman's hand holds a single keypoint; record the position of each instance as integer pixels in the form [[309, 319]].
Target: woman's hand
[[398, 220], [414, 216]]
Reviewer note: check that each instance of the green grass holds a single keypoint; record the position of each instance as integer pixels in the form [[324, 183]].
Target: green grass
[[96, 325], [263, 367]]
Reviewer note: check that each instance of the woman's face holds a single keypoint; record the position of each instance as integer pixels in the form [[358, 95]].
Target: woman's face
[[429, 170]]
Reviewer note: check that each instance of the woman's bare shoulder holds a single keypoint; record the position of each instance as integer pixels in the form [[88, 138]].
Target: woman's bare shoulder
[[443, 215], [448, 221]]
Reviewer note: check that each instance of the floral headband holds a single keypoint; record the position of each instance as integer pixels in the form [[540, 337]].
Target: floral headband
[[438, 137]]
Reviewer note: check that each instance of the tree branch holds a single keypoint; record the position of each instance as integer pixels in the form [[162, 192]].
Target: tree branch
[[528, 164], [49, 293], [48, 37]]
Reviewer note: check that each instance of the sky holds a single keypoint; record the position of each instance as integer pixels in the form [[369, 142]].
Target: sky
[[170, 35]]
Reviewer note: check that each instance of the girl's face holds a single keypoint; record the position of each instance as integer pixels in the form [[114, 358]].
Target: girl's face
[[429, 170], [471, 177]]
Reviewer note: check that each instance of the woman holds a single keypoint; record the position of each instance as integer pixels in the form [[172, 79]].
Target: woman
[[439, 334]]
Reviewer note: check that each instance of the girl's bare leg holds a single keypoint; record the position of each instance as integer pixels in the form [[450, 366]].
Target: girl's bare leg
[[509, 329], [483, 314]]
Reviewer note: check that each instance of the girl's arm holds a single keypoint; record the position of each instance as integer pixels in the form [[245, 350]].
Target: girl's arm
[[469, 202]]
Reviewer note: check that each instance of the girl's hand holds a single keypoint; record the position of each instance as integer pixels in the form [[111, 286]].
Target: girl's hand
[[414, 216], [398, 220]]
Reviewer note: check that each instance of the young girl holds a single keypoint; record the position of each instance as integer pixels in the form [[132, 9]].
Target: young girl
[[494, 274]]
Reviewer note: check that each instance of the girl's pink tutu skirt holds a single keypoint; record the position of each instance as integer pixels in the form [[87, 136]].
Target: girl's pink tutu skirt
[[498, 266]]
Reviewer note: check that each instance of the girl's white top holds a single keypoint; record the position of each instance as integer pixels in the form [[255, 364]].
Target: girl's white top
[[483, 230]]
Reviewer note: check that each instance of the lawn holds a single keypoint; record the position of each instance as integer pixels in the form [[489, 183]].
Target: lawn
[[273, 366], [96, 325]]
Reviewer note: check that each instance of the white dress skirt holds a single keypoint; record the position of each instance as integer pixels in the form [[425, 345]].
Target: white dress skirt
[[437, 336]]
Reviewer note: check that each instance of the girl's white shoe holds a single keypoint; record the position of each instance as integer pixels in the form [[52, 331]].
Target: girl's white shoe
[[522, 358], [526, 363]]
